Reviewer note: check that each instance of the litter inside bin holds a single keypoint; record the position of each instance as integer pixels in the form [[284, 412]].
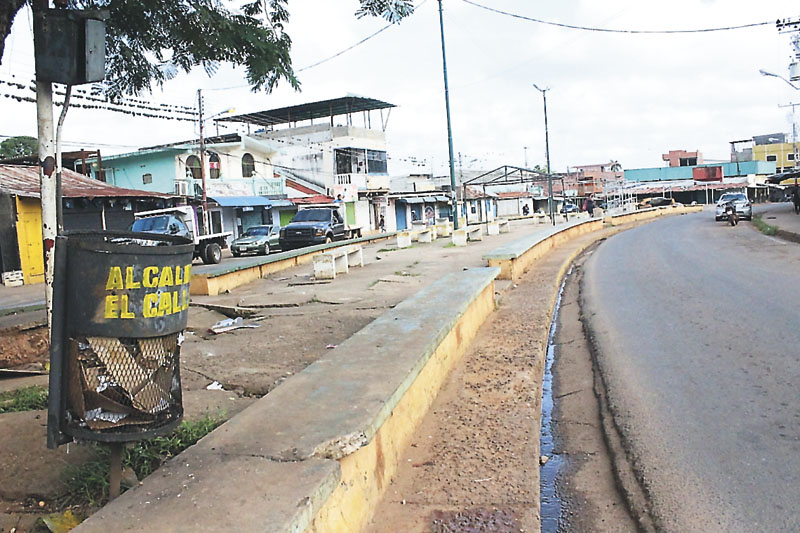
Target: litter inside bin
[[123, 382]]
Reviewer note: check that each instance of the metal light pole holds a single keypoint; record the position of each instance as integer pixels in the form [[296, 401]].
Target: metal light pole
[[794, 124], [449, 128], [547, 155]]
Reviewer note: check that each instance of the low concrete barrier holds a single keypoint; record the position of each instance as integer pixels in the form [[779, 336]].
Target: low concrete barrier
[[337, 261], [318, 452], [651, 212], [474, 233], [217, 279], [515, 257]]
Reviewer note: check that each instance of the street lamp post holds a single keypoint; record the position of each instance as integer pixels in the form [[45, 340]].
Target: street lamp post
[[794, 123], [547, 155], [449, 128]]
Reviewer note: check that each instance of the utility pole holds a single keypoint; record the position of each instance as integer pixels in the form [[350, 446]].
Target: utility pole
[[525, 150], [794, 133], [547, 155], [203, 161], [449, 128], [47, 175]]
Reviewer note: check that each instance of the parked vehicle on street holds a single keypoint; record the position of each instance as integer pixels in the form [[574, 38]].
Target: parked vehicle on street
[[316, 225], [569, 208], [744, 208], [182, 221], [257, 240]]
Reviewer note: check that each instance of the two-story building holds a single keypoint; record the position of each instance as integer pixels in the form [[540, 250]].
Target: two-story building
[[240, 183], [336, 146]]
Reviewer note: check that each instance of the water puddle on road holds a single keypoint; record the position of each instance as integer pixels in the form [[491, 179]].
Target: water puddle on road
[[550, 500]]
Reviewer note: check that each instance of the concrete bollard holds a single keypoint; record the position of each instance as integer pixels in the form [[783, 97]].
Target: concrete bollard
[[493, 228], [324, 267], [404, 239], [460, 237], [425, 235]]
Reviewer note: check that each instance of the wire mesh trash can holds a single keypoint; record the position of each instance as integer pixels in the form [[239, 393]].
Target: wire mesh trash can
[[120, 305]]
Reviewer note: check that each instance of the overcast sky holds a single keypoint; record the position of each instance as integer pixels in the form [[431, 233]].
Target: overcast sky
[[612, 96]]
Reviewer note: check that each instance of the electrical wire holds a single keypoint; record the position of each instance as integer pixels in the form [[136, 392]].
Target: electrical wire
[[610, 30]]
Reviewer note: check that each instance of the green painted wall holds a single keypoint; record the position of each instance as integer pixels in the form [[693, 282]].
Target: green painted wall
[[286, 217], [350, 217]]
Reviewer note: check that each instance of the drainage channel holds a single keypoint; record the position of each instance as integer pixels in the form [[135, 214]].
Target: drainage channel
[[550, 500]]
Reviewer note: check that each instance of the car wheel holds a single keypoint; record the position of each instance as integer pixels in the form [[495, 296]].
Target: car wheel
[[212, 254], [266, 250], [717, 218], [235, 254], [328, 239]]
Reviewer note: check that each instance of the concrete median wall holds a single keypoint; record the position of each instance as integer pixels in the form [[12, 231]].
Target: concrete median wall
[[514, 258], [653, 212], [317, 453]]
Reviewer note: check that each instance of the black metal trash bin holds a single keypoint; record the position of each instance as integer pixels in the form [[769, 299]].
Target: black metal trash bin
[[120, 305]]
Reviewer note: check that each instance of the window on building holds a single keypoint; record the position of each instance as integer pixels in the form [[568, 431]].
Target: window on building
[[688, 161], [213, 166], [376, 162], [147, 179], [193, 167], [248, 166], [790, 157], [343, 163], [772, 157]]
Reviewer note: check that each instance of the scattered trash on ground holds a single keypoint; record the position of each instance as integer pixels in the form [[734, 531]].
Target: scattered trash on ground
[[230, 324], [215, 386], [330, 346]]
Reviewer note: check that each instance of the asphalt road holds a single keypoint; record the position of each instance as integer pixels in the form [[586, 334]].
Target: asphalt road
[[697, 330]]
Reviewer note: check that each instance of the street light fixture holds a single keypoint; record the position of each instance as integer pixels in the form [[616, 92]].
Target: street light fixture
[[547, 155], [794, 123], [772, 74]]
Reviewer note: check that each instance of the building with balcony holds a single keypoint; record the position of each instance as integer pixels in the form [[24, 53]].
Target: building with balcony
[[337, 147], [240, 183]]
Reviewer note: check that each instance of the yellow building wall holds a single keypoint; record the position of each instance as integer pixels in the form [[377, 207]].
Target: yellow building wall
[[29, 237], [781, 151]]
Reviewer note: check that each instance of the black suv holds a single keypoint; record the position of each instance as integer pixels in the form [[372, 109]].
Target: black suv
[[315, 225]]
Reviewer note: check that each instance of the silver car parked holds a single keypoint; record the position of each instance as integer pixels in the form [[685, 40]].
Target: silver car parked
[[743, 206], [256, 240]]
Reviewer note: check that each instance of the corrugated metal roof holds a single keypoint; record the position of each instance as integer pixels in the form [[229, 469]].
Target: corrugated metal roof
[[242, 201], [316, 199], [23, 180], [310, 111]]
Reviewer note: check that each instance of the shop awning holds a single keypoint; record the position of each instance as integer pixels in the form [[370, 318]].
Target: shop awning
[[243, 201], [445, 199], [411, 200]]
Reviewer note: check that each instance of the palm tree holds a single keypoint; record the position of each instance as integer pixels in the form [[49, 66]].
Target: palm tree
[[614, 165]]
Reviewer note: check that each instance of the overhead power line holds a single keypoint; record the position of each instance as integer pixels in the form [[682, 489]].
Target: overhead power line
[[610, 30]]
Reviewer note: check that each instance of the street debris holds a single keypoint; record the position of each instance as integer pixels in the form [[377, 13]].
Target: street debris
[[230, 324], [215, 386], [330, 346]]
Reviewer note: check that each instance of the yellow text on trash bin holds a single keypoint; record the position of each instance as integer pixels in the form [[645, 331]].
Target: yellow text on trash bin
[[153, 304]]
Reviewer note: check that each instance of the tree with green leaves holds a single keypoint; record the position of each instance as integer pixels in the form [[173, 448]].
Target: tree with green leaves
[[149, 41], [614, 165], [21, 146]]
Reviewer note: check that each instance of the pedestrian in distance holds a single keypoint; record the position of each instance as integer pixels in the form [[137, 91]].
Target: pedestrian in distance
[[590, 206]]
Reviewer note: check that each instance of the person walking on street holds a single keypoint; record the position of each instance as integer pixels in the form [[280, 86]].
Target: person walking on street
[[590, 206]]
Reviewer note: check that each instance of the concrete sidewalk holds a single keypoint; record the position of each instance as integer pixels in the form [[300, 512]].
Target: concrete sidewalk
[[25, 297], [782, 216]]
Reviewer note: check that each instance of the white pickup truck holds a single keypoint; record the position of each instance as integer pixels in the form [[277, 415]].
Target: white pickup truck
[[182, 221]]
